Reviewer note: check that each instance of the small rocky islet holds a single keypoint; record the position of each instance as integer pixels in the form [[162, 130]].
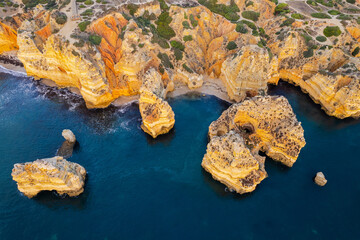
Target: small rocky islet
[[149, 50]]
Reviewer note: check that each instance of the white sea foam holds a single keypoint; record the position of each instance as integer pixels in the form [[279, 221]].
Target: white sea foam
[[12, 72]]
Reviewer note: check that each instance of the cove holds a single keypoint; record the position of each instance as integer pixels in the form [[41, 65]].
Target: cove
[[141, 188]]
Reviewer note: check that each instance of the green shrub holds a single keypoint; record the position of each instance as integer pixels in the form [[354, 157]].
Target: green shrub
[[320, 15], [193, 21], [351, 1], [187, 38], [95, 39], [88, 2], [251, 15], [228, 11], [187, 68], [334, 12], [231, 45], [356, 51], [297, 16], [309, 53], [83, 25], [321, 38], [344, 17], [165, 60], [186, 25], [61, 19], [178, 54], [328, 3], [132, 8], [249, 24], [287, 22], [332, 31], [163, 28], [282, 8], [88, 12], [177, 45], [240, 27]]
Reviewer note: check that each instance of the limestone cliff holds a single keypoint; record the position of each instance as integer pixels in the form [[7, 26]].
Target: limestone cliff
[[230, 161], [329, 77], [8, 38], [246, 73], [157, 115], [52, 174], [266, 124]]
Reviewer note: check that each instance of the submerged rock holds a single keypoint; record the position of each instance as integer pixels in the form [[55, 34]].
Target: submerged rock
[[69, 136], [320, 179], [51, 174], [266, 124]]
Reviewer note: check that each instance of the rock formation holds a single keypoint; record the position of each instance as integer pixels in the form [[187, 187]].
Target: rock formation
[[52, 174], [320, 179], [8, 38], [69, 135], [266, 124], [246, 73], [157, 115], [67, 147], [230, 161]]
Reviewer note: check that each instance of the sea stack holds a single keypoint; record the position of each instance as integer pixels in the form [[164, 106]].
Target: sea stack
[[264, 123], [69, 135], [51, 174], [320, 179]]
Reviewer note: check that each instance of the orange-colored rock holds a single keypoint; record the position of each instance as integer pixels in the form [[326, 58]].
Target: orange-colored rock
[[8, 38]]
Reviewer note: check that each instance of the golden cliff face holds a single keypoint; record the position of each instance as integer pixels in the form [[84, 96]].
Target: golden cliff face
[[8, 38], [266, 124], [157, 115], [52, 174], [230, 162], [246, 73], [329, 77]]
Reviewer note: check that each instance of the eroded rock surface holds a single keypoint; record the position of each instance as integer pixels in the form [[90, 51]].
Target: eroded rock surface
[[266, 124], [51, 174], [157, 115]]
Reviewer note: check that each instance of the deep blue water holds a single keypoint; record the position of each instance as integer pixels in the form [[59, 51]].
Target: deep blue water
[[140, 188]]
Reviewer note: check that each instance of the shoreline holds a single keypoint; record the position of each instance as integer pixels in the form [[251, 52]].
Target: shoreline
[[214, 87]]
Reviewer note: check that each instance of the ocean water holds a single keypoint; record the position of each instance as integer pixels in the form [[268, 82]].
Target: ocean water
[[141, 188]]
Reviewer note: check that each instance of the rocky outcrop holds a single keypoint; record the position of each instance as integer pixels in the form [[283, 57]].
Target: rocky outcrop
[[157, 115], [8, 38], [68, 135], [230, 161], [330, 77], [52, 174], [320, 179], [246, 73], [67, 147], [266, 124]]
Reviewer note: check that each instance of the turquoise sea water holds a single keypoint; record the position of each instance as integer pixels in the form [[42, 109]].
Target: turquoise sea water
[[141, 188]]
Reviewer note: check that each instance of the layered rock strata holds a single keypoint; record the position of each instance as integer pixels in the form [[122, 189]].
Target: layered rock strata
[[157, 115], [51, 174], [266, 124]]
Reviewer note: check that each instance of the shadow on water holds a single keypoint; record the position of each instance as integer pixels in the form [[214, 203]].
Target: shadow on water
[[301, 102], [53, 200], [221, 190], [164, 138]]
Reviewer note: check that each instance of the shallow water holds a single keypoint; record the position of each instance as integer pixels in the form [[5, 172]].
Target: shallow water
[[141, 188]]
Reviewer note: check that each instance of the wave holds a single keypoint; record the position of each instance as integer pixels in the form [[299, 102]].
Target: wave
[[12, 72]]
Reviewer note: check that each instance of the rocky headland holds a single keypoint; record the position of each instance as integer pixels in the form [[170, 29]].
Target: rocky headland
[[114, 51]]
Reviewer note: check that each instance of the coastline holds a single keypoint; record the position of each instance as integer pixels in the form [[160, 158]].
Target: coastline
[[10, 64]]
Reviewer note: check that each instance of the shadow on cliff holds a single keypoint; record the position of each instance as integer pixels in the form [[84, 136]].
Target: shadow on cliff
[[52, 200], [303, 105]]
